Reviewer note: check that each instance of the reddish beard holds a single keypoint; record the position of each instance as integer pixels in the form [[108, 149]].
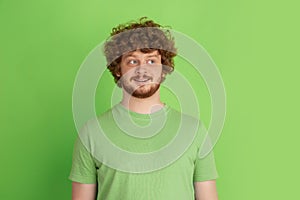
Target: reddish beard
[[142, 91], [139, 94]]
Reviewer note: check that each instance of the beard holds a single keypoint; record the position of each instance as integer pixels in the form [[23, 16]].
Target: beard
[[145, 91], [140, 91]]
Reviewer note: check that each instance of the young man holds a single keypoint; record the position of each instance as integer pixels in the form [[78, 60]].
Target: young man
[[139, 56]]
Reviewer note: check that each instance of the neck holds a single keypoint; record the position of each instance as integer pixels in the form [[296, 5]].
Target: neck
[[143, 106]]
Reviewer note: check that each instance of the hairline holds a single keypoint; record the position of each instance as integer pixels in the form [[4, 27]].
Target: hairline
[[155, 53]]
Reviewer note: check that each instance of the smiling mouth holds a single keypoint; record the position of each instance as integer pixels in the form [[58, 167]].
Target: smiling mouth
[[142, 80]]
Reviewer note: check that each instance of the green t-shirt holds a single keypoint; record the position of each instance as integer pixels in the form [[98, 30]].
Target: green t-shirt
[[168, 173]]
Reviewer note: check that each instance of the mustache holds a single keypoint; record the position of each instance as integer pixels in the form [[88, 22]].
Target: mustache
[[139, 77]]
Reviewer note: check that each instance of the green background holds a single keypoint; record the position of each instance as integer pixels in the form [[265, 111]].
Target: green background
[[255, 44]]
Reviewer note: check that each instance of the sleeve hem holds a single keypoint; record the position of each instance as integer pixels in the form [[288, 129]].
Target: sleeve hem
[[205, 178], [82, 179]]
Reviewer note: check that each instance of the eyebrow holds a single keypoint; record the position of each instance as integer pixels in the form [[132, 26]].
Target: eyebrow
[[157, 55], [128, 55], [132, 55]]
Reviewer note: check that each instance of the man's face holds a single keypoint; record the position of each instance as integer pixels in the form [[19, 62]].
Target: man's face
[[141, 73]]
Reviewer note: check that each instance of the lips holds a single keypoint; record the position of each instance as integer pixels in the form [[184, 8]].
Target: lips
[[142, 79]]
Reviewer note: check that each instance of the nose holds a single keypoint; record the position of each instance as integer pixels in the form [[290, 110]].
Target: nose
[[141, 70]]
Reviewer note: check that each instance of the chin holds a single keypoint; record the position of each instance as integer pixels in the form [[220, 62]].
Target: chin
[[143, 93]]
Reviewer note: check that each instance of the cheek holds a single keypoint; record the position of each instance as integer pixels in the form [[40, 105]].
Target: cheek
[[124, 69], [157, 71], [127, 72]]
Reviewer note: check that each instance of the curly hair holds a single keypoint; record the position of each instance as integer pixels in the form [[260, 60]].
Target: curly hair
[[144, 35]]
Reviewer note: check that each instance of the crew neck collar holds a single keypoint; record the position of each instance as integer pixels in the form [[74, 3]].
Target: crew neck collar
[[122, 109]]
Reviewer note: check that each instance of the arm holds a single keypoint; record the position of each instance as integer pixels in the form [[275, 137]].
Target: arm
[[83, 173], [82, 191], [206, 190]]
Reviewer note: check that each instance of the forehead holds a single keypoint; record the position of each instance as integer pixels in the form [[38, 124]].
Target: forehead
[[139, 53]]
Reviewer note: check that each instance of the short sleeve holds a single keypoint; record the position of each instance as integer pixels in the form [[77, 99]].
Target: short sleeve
[[83, 165], [205, 168]]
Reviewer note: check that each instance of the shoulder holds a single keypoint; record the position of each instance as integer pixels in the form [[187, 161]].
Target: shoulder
[[194, 123]]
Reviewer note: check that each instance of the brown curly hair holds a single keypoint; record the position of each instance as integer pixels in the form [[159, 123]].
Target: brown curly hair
[[144, 35]]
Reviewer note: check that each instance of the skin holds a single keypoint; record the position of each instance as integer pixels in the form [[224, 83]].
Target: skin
[[82, 191], [138, 64], [206, 190], [140, 77]]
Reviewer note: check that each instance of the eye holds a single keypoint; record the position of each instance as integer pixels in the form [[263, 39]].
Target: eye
[[132, 62], [151, 61]]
